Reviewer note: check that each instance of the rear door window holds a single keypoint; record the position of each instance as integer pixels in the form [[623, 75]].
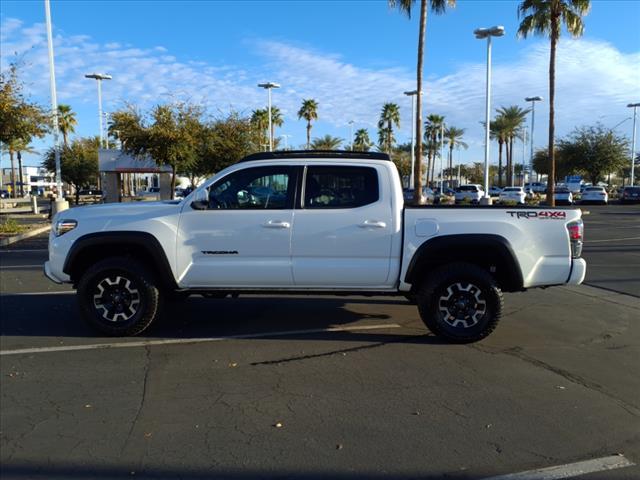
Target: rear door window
[[340, 187]]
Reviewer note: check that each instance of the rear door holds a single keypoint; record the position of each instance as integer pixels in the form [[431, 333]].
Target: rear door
[[239, 233], [343, 228]]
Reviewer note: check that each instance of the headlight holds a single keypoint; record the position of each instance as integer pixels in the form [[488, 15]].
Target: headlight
[[63, 226]]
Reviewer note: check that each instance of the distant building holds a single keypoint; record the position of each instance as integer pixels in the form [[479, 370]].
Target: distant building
[[37, 180]]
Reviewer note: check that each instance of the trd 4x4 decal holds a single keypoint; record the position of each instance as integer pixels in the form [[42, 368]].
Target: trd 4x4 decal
[[544, 214]]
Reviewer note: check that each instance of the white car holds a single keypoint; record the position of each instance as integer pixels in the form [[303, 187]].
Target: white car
[[516, 194], [563, 196], [311, 222], [473, 192], [494, 191], [595, 195]]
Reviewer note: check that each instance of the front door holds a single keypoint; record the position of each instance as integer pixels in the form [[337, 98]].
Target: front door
[[237, 233]]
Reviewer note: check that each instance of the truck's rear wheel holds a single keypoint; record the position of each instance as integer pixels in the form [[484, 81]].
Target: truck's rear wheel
[[118, 296], [460, 302]]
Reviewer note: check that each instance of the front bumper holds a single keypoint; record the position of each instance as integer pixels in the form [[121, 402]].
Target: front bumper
[[49, 274], [578, 271]]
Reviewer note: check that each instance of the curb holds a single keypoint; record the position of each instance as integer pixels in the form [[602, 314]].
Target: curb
[[31, 233]]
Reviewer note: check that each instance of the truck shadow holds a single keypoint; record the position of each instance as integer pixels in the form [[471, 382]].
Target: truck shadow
[[57, 316]]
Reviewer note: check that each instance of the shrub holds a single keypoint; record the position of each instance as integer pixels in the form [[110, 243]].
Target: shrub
[[11, 226]]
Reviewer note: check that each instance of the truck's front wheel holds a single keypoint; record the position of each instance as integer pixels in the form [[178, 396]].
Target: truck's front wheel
[[460, 302], [118, 296]]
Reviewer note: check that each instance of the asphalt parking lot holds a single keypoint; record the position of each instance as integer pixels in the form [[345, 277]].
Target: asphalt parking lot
[[334, 387]]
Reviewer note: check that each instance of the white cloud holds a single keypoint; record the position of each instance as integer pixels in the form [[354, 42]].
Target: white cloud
[[594, 79]]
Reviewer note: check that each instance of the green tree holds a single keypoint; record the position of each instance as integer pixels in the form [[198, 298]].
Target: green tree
[[309, 112], [326, 143], [389, 116], [596, 151], [513, 118], [260, 119], [78, 163], [432, 137], [66, 122], [20, 119], [545, 18], [437, 7], [361, 141], [498, 131], [277, 120], [170, 137], [453, 137]]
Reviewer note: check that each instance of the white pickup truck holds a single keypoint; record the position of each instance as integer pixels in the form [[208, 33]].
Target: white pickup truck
[[311, 222]]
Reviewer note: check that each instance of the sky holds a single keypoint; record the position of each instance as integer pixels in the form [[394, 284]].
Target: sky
[[351, 56]]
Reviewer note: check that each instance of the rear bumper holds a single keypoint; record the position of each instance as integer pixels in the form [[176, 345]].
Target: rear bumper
[[578, 271]]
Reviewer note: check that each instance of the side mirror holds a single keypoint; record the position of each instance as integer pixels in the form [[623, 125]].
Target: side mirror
[[200, 205]]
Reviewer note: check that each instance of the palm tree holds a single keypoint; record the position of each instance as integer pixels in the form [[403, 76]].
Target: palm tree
[[361, 141], [437, 7], [15, 149], [326, 143], [276, 119], [498, 131], [389, 116], [260, 119], [432, 137], [453, 137], [513, 118], [66, 122], [308, 111], [545, 17]]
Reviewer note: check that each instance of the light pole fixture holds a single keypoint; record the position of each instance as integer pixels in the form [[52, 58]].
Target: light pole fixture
[[533, 101], [482, 33], [268, 86], [412, 94], [633, 141], [98, 77]]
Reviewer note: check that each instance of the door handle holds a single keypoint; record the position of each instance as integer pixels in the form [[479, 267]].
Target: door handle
[[372, 224], [276, 224]]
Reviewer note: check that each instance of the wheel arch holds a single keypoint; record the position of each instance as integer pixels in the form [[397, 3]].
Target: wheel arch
[[142, 246], [490, 251]]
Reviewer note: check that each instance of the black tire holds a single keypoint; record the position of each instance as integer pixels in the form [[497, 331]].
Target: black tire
[[460, 302], [119, 297]]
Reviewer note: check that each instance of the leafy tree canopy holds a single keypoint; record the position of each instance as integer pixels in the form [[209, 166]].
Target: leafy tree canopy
[[78, 162]]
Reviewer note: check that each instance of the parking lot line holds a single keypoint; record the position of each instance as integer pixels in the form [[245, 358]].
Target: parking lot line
[[612, 240], [19, 266], [570, 470], [7, 250], [20, 294], [176, 341]]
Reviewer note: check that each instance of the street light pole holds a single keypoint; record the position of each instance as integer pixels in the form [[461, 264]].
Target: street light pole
[[480, 33], [441, 158], [633, 141], [268, 86], [533, 101], [98, 77], [351, 134], [412, 94], [286, 142], [60, 203]]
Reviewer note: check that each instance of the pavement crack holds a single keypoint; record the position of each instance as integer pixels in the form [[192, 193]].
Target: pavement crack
[[571, 377], [142, 398]]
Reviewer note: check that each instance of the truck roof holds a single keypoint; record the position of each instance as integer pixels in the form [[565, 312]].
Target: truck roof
[[315, 154]]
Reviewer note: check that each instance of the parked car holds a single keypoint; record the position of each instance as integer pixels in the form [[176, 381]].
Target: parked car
[[150, 194], [427, 193], [536, 187], [448, 194], [563, 196], [91, 196], [4, 194], [494, 191], [630, 195], [124, 259], [473, 192], [594, 195], [514, 194]]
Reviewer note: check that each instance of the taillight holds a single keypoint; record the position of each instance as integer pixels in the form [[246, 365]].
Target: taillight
[[576, 236]]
